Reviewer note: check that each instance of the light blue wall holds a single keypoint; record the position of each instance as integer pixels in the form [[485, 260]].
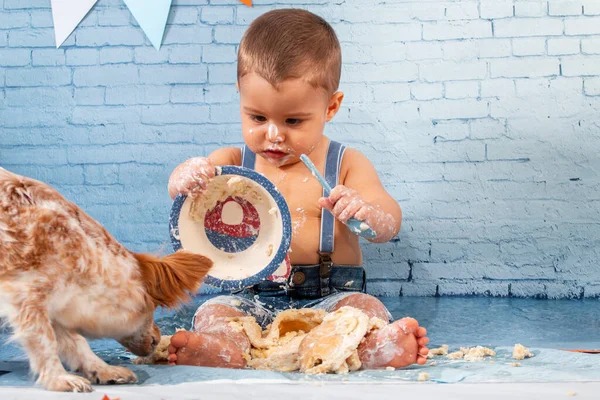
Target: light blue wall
[[481, 117]]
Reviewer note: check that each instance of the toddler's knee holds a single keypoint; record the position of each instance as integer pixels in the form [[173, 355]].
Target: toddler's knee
[[216, 311], [371, 305]]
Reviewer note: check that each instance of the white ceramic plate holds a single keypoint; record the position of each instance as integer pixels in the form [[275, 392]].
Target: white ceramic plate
[[242, 223]]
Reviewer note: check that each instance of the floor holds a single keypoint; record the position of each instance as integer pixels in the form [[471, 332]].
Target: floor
[[228, 391], [543, 325]]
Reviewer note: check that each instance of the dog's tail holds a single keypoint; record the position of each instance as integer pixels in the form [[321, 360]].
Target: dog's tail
[[170, 279]]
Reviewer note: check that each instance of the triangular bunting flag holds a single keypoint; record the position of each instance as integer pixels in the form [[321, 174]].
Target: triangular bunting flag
[[247, 2], [67, 14], [152, 16]]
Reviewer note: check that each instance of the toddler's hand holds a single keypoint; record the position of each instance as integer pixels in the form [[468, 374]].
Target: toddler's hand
[[345, 203], [192, 177]]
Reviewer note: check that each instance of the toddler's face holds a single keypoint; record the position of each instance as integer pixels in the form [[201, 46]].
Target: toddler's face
[[280, 124]]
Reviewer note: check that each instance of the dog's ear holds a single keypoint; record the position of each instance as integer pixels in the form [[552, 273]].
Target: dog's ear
[[170, 279]]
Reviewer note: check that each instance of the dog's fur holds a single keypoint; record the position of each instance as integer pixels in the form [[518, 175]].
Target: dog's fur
[[63, 277]]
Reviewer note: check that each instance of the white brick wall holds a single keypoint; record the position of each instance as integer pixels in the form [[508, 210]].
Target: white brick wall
[[563, 8], [563, 46], [481, 116], [592, 86], [590, 46], [530, 8], [591, 7], [529, 46], [496, 9], [528, 27]]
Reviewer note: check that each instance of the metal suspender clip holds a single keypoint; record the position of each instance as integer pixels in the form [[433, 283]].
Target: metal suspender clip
[[325, 267]]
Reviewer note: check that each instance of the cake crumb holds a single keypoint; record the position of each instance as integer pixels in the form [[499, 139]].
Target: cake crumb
[[515, 364], [521, 352], [477, 353], [471, 354], [439, 351], [457, 355], [572, 394], [390, 368], [423, 376]]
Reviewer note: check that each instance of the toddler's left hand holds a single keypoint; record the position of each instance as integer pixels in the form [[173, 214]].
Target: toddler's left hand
[[345, 203]]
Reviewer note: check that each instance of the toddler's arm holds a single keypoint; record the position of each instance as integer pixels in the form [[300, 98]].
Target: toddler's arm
[[363, 197]]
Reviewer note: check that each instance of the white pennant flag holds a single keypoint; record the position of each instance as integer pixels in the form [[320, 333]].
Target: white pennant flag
[[151, 17], [67, 14]]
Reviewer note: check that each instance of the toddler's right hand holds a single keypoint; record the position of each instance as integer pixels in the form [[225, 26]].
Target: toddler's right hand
[[192, 177]]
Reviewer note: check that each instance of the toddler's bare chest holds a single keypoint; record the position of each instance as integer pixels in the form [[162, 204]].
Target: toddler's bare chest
[[301, 193]]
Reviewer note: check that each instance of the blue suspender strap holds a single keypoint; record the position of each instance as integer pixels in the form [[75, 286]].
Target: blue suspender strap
[[248, 158], [333, 164]]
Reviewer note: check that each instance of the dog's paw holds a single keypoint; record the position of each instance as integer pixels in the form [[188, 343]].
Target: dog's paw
[[111, 375], [68, 383]]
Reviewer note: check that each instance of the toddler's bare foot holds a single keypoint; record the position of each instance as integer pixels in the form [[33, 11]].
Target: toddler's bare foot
[[204, 349], [397, 345]]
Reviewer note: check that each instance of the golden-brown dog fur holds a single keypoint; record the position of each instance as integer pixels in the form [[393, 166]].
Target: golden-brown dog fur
[[63, 277]]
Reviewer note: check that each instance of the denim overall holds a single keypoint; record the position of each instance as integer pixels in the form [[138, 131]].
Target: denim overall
[[323, 279]]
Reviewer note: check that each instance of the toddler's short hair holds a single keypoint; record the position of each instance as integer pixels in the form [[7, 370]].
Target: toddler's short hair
[[291, 43]]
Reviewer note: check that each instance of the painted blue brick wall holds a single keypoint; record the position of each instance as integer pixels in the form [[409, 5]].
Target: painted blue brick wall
[[482, 118]]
